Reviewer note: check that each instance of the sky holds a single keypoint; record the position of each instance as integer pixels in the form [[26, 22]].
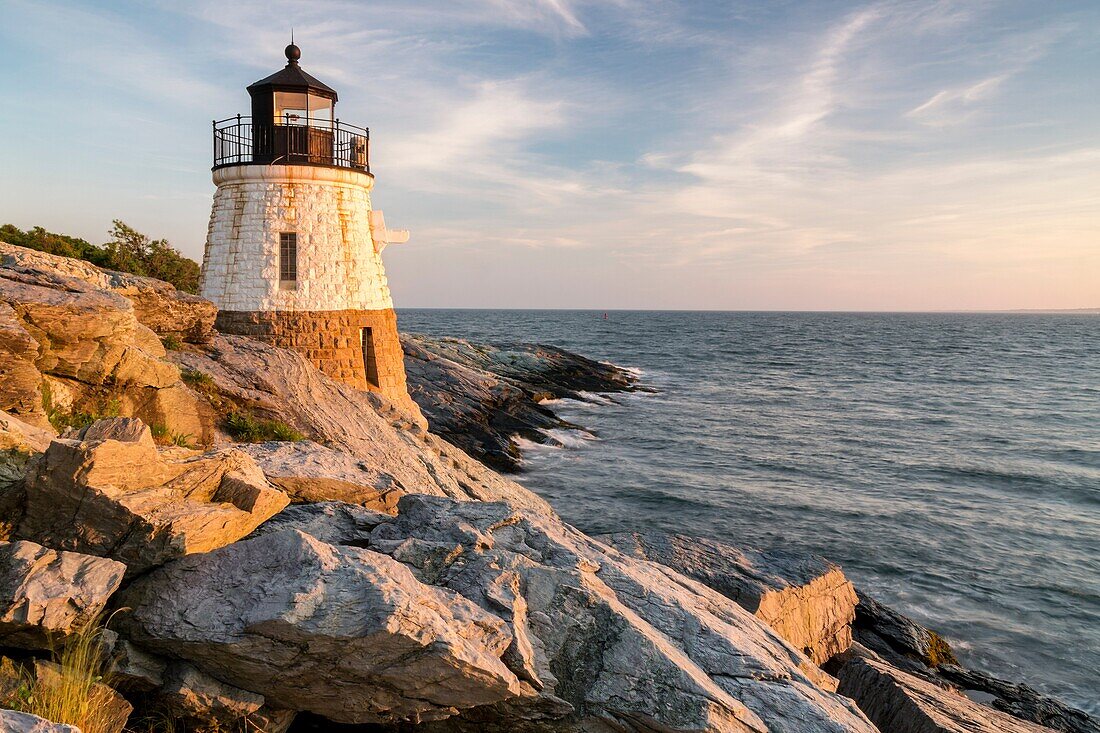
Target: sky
[[764, 155]]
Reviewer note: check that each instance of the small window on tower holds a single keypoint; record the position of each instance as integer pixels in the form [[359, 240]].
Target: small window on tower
[[288, 260]]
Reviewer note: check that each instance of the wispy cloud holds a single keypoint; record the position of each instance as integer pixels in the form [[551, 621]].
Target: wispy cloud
[[951, 106], [641, 153]]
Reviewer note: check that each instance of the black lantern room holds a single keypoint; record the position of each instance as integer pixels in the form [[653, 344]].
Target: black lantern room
[[293, 122], [290, 96]]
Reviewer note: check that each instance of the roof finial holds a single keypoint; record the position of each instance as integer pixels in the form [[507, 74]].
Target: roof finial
[[293, 53]]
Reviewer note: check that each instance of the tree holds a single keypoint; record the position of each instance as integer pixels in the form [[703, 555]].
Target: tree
[[128, 251], [131, 251]]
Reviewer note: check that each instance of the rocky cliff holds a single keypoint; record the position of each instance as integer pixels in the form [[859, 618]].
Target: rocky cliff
[[271, 550], [481, 397]]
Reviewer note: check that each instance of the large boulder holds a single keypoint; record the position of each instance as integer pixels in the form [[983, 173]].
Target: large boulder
[[88, 335], [381, 438], [46, 595], [74, 345], [310, 472], [805, 598], [900, 702], [12, 721], [157, 304], [107, 491], [336, 630], [605, 642]]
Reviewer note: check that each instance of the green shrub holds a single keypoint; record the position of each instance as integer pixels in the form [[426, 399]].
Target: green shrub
[[172, 342], [250, 429], [128, 250]]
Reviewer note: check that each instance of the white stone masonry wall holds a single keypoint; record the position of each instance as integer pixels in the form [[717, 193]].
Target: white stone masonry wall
[[328, 208]]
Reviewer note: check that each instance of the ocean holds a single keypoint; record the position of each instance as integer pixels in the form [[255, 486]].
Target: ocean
[[949, 462]]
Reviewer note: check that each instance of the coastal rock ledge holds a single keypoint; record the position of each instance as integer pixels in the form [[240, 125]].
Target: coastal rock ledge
[[363, 571]]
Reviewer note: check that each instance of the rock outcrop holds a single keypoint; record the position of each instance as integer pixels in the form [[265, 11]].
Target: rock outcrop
[[157, 304], [899, 702], [280, 384], [805, 598], [601, 641], [1020, 700], [107, 491], [336, 630], [892, 638], [309, 472], [75, 344], [408, 586], [480, 397], [46, 595]]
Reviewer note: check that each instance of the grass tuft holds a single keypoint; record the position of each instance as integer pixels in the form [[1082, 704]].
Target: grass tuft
[[172, 342], [199, 381], [162, 435], [73, 695], [251, 429]]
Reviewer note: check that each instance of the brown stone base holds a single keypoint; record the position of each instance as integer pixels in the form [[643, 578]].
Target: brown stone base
[[334, 341]]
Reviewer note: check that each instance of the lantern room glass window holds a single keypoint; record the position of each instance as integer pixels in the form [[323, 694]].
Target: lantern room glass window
[[299, 108], [320, 111], [291, 108]]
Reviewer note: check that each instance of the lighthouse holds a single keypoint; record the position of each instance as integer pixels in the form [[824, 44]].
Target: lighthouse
[[294, 250]]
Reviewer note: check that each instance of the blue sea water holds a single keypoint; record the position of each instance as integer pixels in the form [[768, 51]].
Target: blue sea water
[[949, 462]]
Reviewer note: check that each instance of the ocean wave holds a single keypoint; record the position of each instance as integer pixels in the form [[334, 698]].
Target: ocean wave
[[628, 369], [597, 397], [526, 445], [569, 438]]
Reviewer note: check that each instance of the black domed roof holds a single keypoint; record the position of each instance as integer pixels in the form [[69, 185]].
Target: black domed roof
[[291, 78]]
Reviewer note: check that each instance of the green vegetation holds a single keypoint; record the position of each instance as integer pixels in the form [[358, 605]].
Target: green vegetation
[[72, 695], [939, 651], [239, 423], [199, 381], [250, 429], [162, 435], [128, 250], [78, 416], [172, 342]]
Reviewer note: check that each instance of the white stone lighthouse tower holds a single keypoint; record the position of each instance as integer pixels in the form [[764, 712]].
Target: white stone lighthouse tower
[[293, 252]]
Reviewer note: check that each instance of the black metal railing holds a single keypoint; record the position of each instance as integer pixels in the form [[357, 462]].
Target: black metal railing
[[295, 140]]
